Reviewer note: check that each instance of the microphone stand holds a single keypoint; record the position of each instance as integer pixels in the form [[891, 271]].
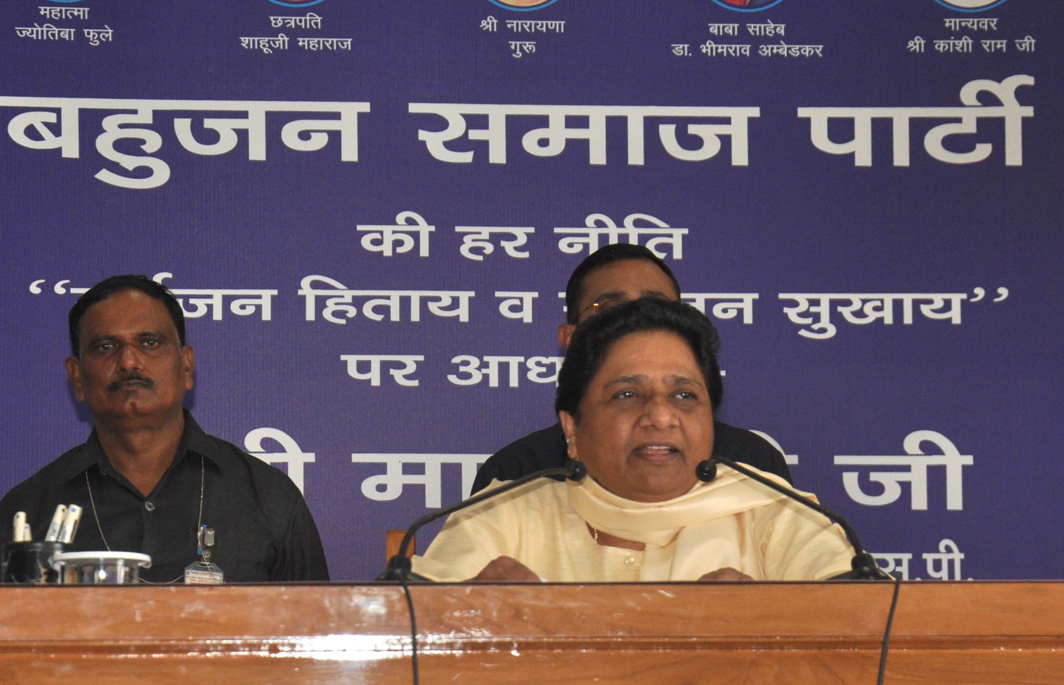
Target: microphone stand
[[863, 565], [399, 566]]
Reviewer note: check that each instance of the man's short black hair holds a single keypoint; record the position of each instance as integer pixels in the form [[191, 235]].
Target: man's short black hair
[[616, 252], [116, 284], [593, 339]]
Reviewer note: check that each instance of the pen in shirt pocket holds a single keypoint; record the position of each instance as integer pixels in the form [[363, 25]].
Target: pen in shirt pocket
[[57, 521], [70, 524], [19, 527]]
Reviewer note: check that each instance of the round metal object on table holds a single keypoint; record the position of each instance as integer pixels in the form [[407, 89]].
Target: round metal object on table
[[101, 568]]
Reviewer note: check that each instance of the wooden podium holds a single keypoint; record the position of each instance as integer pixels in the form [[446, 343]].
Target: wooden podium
[[965, 633]]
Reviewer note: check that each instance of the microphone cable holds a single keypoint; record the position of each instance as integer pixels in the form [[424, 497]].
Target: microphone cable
[[884, 649], [413, 628]]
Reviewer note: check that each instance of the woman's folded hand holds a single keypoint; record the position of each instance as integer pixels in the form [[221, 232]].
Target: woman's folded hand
[[726, 573], [507, 569]]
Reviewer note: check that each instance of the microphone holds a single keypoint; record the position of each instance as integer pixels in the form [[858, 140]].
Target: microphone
[[399, 566], [863, 565]]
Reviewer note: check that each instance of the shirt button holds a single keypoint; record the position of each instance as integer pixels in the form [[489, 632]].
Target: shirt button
[[629, 560], [149, 505]]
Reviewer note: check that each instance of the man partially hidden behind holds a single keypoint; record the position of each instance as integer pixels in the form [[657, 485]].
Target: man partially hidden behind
[[148, 476], [614, 274]]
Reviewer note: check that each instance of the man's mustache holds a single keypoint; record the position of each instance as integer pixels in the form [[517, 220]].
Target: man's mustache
[[131, 379]]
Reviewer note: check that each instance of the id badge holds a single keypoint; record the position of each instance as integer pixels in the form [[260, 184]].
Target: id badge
[[203, 573]]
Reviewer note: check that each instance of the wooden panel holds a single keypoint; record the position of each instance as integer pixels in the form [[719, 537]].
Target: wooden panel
[[996, 612], [979, 634], [745, 633]]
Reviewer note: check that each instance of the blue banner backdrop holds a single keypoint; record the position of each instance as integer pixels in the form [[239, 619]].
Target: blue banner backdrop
[[368, 210]]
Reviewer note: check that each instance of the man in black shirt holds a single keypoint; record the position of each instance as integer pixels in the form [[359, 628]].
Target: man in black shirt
[[614, 274], [148, 478]]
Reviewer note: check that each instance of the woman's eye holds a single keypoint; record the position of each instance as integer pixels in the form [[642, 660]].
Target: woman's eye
[[625, 395], [685, 395]]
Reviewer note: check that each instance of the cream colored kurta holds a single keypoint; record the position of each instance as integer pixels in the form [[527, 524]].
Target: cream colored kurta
[[732, 521]]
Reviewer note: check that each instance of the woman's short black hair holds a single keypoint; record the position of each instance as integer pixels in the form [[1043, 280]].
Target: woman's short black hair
[[592, 341], [116, 284]]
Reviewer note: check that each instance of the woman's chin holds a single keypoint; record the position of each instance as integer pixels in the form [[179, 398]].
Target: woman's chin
[[659, 490]]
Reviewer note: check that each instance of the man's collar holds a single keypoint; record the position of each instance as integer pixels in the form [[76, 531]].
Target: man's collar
[[193, 440], [82, 458]]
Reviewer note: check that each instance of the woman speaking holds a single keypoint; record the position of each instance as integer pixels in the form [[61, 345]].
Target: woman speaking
[[636, 396]]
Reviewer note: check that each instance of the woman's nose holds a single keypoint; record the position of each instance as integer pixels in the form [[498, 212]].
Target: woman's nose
[[659, 412]]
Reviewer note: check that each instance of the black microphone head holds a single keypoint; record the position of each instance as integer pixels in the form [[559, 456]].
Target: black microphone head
[[865, 567], [706, 470], [577, 470], [398, 567]]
